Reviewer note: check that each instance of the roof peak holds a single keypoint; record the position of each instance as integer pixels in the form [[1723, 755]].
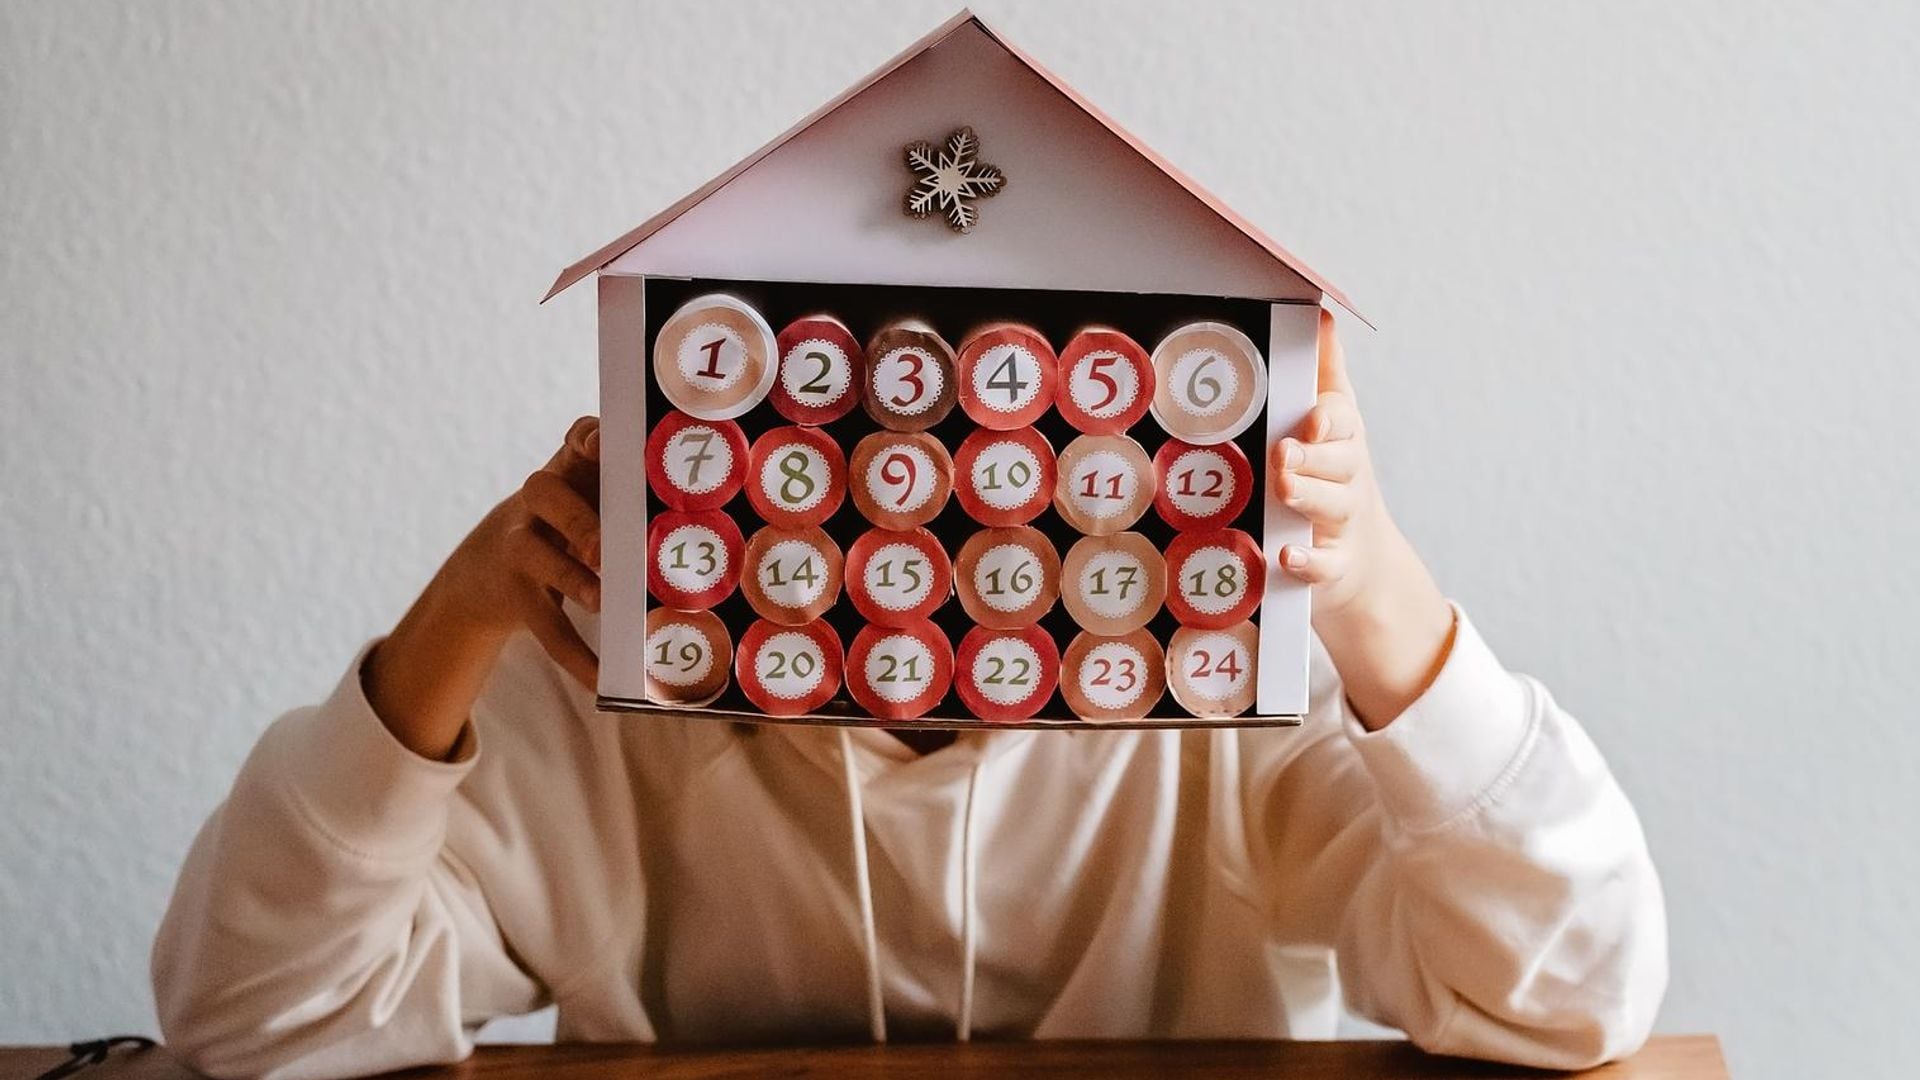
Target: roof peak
[[627, 241]]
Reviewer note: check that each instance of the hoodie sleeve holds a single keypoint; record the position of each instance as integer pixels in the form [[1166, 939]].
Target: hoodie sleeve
[[1482, 878], [319, 926]]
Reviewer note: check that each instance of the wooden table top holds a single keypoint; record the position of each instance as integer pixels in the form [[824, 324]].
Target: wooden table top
[[1668, 1057]]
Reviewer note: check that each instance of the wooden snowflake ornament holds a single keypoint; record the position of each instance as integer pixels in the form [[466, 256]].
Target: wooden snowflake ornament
[[949, 178]]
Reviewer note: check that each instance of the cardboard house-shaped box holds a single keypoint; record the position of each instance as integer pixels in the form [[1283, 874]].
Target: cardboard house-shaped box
[[875, 209]]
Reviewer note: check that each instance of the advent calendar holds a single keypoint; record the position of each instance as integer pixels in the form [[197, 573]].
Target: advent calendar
[[950, 407]]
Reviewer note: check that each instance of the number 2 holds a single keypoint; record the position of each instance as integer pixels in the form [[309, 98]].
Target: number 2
[[898, 672], [1229, 665], [817, 384], [1127, 669], [999, 677]]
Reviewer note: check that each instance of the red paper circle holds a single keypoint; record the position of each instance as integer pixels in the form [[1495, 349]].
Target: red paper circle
[[710, 575], [789, 461], [695, 464], [900, 587], [781, 680], [1201, 487], [821, 365], [1106, 382], [1201, 564], [987, 683], [1007, 374], [985, 467], [896, 669]]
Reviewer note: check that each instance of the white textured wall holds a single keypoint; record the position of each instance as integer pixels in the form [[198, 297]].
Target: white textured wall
[[1646, 273]]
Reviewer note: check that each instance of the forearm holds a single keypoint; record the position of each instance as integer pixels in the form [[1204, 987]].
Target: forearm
[[1390, 638], [314, 903], [1510, 910], [424, 678]]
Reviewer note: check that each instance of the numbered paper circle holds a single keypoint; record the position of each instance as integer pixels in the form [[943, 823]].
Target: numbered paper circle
[[820, 370], [1113, 584], [789, 670], [898, 577], [1103, 484], [1210, 383], [796, 476], [1004, 477], [687, 655], [1113, 678], [693, 558], [1201, 487], [900, 480], [791, 576], [1215, 579], [898, 673], [1212, 672], [909, 384], [1006, 676], [1007, 578], [715, 357], [1007, 375], [695, 464], [1106, 382]]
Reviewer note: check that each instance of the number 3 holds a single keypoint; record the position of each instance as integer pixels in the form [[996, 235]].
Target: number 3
[[919, 387]]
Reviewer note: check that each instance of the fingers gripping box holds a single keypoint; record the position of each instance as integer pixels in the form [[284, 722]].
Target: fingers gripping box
[[950, 407]]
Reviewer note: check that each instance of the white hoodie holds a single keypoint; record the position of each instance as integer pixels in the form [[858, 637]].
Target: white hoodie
[[1471, 874]]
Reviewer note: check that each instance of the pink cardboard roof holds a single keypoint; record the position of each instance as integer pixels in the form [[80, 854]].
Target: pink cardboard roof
[[631, 239]]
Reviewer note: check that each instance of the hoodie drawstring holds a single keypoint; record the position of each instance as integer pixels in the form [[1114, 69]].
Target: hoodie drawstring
[[969, 902], [969, 893], [863, 887]]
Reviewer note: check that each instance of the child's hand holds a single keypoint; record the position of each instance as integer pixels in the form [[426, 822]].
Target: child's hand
[[539, 545], [1324, 473], [1383, 620]]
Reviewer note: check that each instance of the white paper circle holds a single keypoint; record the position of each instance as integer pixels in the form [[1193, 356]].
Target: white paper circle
[[1113, 584], [693, 559], [1006, 378], [1212, 579], [712, 357], [678, 655], [803, 380], [1095, 472], [790, 665], [1203, 659], [698, 459], [899, 668], [1200, 482], [1006, 669], [1113, 675], [894, 497], [792, 574], [907, 381], [898, 577], [1006, 475], [998, 573], [798, 470], [1103, 383]]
